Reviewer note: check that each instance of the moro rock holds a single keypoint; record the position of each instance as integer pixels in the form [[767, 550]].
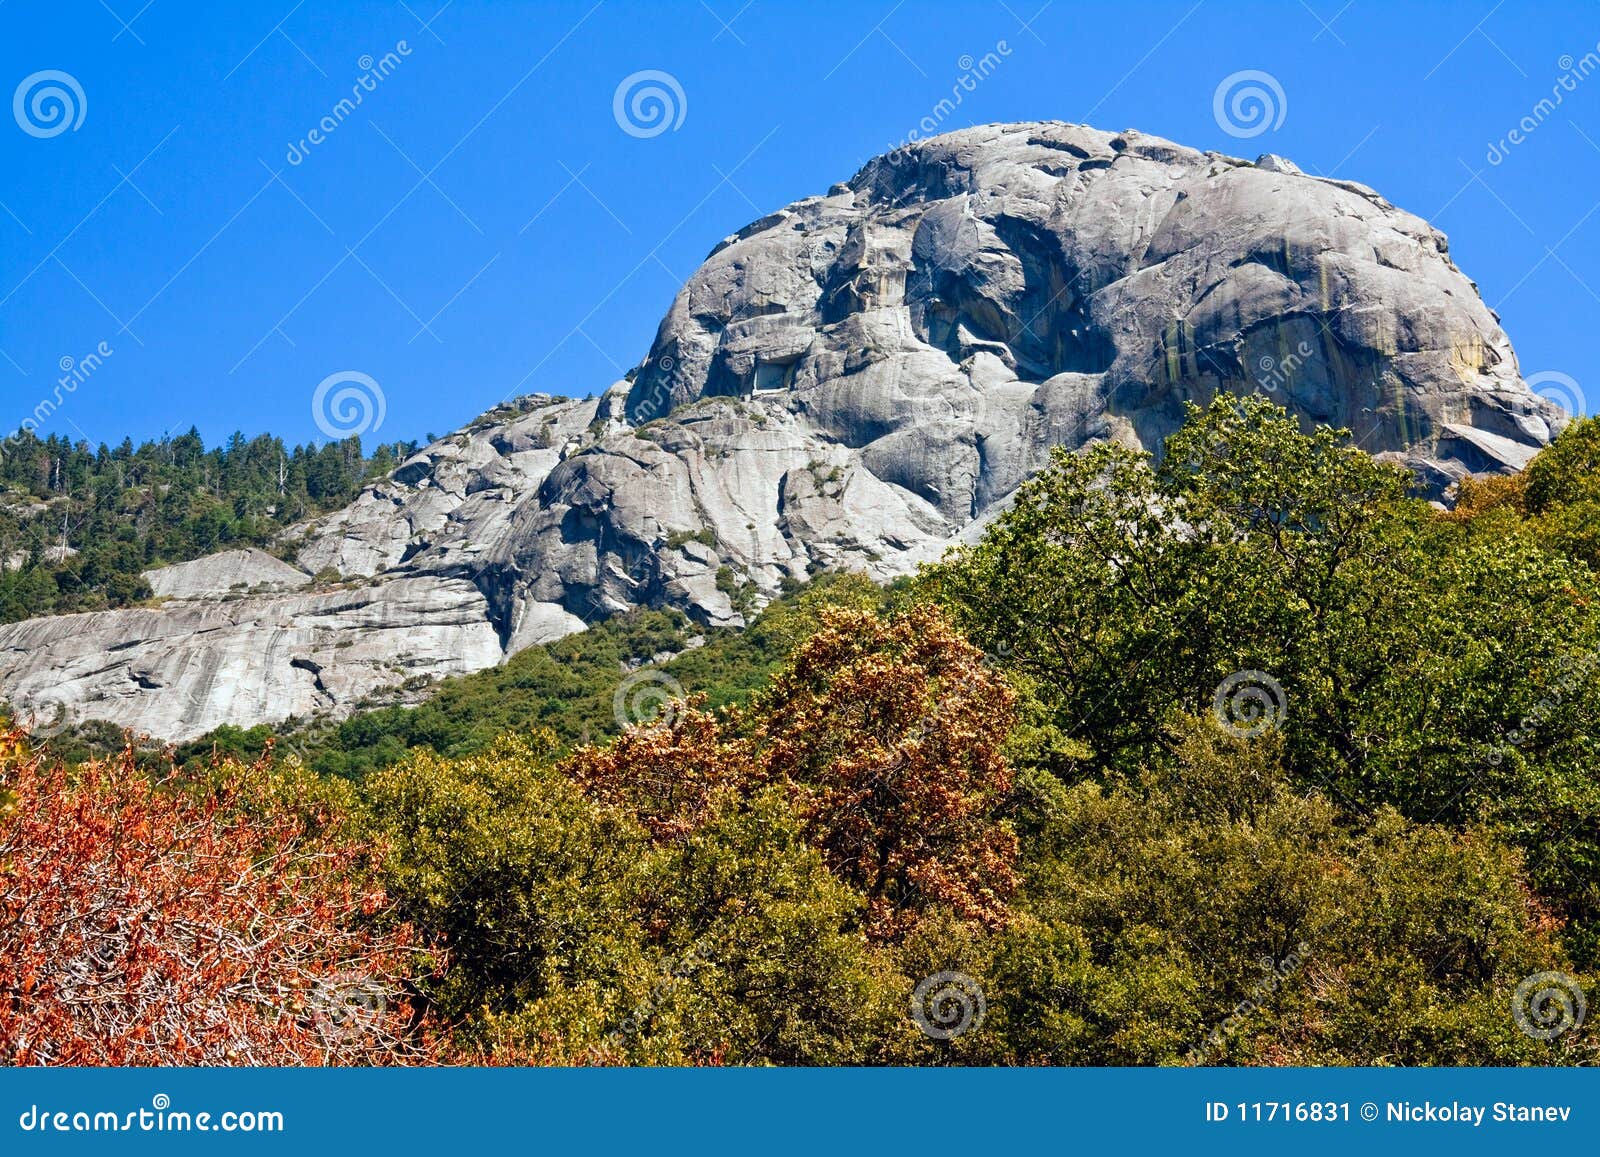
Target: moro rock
[[854, 381]]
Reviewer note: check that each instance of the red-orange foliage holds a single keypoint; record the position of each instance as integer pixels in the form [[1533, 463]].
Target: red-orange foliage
[[889, 734], [667, 775], [148, 926], [894, 730]]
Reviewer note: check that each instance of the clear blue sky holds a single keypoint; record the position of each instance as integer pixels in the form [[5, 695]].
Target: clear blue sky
[[546, 242]]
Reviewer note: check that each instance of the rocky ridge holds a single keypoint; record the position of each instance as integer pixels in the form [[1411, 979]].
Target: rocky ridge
[[853, 381]]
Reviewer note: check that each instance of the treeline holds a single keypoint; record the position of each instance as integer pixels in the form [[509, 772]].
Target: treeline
[[79, 524], [1244, 756]]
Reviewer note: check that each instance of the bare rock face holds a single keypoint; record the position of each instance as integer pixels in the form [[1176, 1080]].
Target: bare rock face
[[854, 381], [229, 572], [190, 665]]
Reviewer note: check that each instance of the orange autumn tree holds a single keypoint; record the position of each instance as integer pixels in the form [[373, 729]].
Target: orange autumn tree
[[141, 925], [892, 731], [667, 775], [888, 735]]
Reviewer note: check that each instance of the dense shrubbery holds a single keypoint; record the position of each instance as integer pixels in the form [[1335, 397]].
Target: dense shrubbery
[[1016, 777], [1446, 667], [1213, 910], [214, 923]]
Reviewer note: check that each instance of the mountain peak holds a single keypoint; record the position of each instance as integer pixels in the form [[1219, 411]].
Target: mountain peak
[[853, 381]]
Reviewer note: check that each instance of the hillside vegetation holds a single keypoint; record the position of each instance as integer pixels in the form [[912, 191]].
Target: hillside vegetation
[[78, 525], [1240, 757]]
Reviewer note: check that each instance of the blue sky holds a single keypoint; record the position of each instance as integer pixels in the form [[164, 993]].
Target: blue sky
[[482, 224]]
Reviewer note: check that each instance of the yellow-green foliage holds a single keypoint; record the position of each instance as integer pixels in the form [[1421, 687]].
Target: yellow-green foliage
[[1203, 910], [1446, 667], [1365, 882], [572, 937], [1156, 905], [1045, 802]]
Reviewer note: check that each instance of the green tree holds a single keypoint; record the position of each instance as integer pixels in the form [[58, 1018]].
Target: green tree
[[1445, 667], [1210, 910]]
